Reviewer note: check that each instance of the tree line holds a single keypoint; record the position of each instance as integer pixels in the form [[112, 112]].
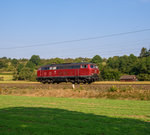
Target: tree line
[[110, 69]]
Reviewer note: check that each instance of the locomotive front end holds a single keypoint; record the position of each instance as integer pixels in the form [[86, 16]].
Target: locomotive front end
[[94, 72]]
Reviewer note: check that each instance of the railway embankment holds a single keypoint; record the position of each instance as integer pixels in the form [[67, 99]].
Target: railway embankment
[[95, 90]]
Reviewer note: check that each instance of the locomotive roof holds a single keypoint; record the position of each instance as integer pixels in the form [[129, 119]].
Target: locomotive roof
[[64, 64]]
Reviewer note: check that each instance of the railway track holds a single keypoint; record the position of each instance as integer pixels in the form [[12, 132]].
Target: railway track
[[93, 86]]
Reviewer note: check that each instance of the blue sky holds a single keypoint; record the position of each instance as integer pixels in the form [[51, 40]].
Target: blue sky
[[43, 22]]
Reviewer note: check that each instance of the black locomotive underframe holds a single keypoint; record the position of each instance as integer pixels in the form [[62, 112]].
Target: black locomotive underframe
[[72, 79]]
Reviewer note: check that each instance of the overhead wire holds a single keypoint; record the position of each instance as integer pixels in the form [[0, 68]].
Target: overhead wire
[[79, 40], [102, 46], [102, 51]]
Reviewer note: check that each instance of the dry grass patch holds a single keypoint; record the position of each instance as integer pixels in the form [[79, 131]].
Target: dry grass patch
[[119, 94]]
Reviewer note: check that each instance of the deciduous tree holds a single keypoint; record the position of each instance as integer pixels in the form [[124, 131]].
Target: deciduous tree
[[35, 59]]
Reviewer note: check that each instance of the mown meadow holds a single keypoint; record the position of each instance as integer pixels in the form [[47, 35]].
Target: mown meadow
[[72, 116]]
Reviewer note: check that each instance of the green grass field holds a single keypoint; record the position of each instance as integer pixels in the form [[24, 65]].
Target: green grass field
[[21, 115], [7, 77], [119, 82], [21, 82]]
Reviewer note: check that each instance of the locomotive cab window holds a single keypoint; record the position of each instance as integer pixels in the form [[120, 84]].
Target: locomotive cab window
[[92, 66], [83, 66]]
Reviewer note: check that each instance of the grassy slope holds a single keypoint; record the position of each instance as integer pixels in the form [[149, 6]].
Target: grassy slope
[[37, 115]]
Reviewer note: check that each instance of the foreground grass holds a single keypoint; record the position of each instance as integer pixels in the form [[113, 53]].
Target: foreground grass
[[58, 116]]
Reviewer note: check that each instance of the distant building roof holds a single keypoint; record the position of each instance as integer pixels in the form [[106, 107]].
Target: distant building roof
[[128, 77]]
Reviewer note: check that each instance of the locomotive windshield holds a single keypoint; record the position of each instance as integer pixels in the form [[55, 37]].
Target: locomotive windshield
[[93, 66], [83, 66]]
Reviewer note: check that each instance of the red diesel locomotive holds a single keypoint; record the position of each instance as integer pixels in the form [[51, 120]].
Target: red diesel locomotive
[[68, 72]]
